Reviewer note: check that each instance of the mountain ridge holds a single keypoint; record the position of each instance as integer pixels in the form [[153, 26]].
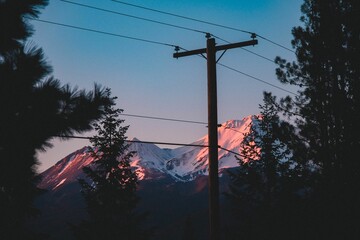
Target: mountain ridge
[[150, 161]]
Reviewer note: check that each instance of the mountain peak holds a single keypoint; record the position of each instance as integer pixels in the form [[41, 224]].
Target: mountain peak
[[238, 123], [135, 139]]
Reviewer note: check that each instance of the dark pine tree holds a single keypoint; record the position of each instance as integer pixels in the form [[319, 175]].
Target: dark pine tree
[[328, 74], [265, 189], [13, 26], [110, 187], [34, 109]]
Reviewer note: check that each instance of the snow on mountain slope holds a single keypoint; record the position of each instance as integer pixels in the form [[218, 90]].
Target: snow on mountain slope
[[68, 169], [183, 163], [147, 158], [148, 161], [189, 162]]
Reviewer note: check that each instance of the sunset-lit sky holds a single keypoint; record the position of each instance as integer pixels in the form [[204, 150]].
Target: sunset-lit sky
[[146, 78]]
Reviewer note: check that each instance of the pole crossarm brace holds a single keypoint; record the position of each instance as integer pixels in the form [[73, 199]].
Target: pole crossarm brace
[[217, 48]]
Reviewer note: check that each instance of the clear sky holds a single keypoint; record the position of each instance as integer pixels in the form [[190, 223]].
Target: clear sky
[[146, 78]]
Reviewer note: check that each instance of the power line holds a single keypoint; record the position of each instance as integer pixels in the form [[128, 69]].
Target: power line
[[248, 75], [159, 22], [205, 22], [180, 16], [105, 33], [247, 50], [137, 141], [256, 54], [133, 16], [228, 128], [175, 120], [229, 151], [165, 119], [277, 44], [151, 142], [167, 143], [268, 59], [152, 42], [257, 79]]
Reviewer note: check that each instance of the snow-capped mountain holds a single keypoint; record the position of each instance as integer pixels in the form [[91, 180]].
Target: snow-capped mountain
[[173, 184], [190, 162], [183, 163]]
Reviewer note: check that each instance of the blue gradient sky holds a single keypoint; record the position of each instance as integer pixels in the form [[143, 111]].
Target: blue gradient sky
[[146, 78]]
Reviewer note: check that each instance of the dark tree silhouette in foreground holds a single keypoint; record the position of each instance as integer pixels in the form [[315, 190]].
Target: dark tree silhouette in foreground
[[265, 189], [328, 74], [14, 29], [34, 109], [110, 187]]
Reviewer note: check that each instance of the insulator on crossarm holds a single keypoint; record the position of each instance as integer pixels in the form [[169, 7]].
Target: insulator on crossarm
[[253, 35]]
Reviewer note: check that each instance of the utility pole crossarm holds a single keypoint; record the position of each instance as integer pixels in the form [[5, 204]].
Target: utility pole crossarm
[[189, 53], [217, 48], [236, 45]]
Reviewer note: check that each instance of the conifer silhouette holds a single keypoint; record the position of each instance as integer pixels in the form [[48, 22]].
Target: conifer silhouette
[[35, 108], [111, 184], [266, 184], [327, 106]]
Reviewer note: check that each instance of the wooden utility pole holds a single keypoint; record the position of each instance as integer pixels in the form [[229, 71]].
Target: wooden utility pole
[[210, 50]]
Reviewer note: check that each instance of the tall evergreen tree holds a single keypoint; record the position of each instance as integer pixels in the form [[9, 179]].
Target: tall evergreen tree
[[268, 181], [110, 187], [34, 109], [328, 72]]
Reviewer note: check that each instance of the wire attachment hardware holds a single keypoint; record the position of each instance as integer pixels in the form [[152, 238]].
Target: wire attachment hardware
[[253, 36]]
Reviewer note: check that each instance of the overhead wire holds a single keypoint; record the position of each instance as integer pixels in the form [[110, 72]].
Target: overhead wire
[[103, 32], [203, 21], [133, 16], [277, 44], [152, 142], [250, 76], [244, 49], [164, 119], [164, 44], [257, 79], [156, 42], [158, 22], [246, 74], [179, 16], [138, 141], [235, 153]]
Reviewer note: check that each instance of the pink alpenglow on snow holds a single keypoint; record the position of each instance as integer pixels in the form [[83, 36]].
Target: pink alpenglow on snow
[[150, 161]]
